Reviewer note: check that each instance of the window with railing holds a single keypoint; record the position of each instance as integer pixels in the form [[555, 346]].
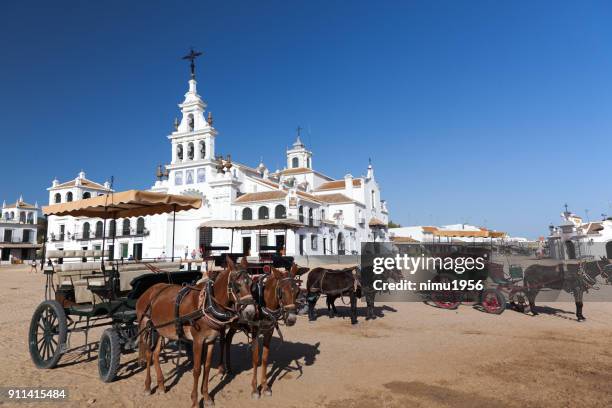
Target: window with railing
[[99, 229], [263, 213], [125, 228], [86, 230], [140, 226], [280, 212]]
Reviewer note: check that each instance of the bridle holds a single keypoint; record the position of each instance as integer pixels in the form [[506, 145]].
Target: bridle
[[284, 309], [233, 289]]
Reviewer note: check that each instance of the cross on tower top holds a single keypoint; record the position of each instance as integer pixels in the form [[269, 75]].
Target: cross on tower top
[[565, 207], [192, 57]]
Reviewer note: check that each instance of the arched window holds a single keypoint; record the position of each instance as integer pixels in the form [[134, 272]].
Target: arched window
[[190, 151], [263, 213], [69, 196], [125, 228], [86, 194], [112, 229], [30, 218], [190, 122], [140, 225], [310, 217], [247, 214], [295, 162], [322, 214], [99, 229], [179, 152], [301, 213], [22, 217], [58, 198], [308, 163], [85, 230], [202, 149], [280, 211]]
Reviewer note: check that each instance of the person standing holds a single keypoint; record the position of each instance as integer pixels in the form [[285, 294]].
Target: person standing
[[33, 268]]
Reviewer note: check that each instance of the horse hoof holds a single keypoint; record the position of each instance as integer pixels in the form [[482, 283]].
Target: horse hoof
[[146, 393], [209, 403], [255, 395], [267, 393]]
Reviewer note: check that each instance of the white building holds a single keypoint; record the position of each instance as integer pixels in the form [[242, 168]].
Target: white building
[[19, 225], [573, 238], [338, 214], [449, 233]]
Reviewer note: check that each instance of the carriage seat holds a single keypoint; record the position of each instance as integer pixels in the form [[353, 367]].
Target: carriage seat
[[128, 272], [73, 271]]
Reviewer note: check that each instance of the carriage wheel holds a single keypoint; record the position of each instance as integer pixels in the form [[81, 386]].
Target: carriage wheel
[[446, 299], [493, 301], [47, 335], [109, 355], [518, 300]]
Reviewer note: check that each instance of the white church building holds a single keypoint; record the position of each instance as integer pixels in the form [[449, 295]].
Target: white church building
[[337, 214]]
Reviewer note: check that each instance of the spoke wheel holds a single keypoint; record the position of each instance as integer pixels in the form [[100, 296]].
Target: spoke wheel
[[493, 301], [446, 299], [47, 335], [518, 298], [109, 355]]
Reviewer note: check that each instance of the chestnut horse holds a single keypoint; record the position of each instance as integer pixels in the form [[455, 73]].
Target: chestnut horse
[[196, 313], [276, 295]]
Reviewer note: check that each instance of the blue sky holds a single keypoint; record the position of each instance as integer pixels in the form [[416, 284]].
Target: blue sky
[[492, 113]]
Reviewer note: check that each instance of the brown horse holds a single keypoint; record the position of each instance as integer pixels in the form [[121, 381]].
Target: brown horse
[[197, 314], [560, 277], [276, 296]]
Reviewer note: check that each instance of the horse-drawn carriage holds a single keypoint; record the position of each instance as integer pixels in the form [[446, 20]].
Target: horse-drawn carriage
[[86, 289]]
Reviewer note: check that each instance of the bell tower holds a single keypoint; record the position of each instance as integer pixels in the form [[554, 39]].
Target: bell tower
[[193, 138], [298, 155]]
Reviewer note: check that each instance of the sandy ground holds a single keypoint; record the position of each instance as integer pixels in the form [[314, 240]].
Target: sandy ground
[[415, 356]]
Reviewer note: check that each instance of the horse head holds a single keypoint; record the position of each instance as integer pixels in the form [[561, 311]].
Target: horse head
[[286, 291], [239, 288]]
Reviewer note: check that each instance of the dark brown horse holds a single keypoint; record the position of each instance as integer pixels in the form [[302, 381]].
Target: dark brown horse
[[333, 284], [197, 314], [573, 278], [275, 295]]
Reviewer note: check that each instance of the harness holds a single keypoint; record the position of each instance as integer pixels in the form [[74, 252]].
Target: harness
[[270, 318], [215, 315]]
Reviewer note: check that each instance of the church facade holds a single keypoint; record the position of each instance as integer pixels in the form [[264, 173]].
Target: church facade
[[337, 214]]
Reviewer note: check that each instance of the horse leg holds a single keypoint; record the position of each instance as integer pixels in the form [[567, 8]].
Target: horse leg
[[207, 364], [531, 296], [312, 301], [228, 346], [331, 309], [264, 364], [255, 357], [158, 370], [222, 364], [578, 298], [147, 355], [353, 307], [197, 368], [370, 305]]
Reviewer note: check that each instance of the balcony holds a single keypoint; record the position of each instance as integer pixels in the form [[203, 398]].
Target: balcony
[[15, 240], [132, 232], [60, 237]]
